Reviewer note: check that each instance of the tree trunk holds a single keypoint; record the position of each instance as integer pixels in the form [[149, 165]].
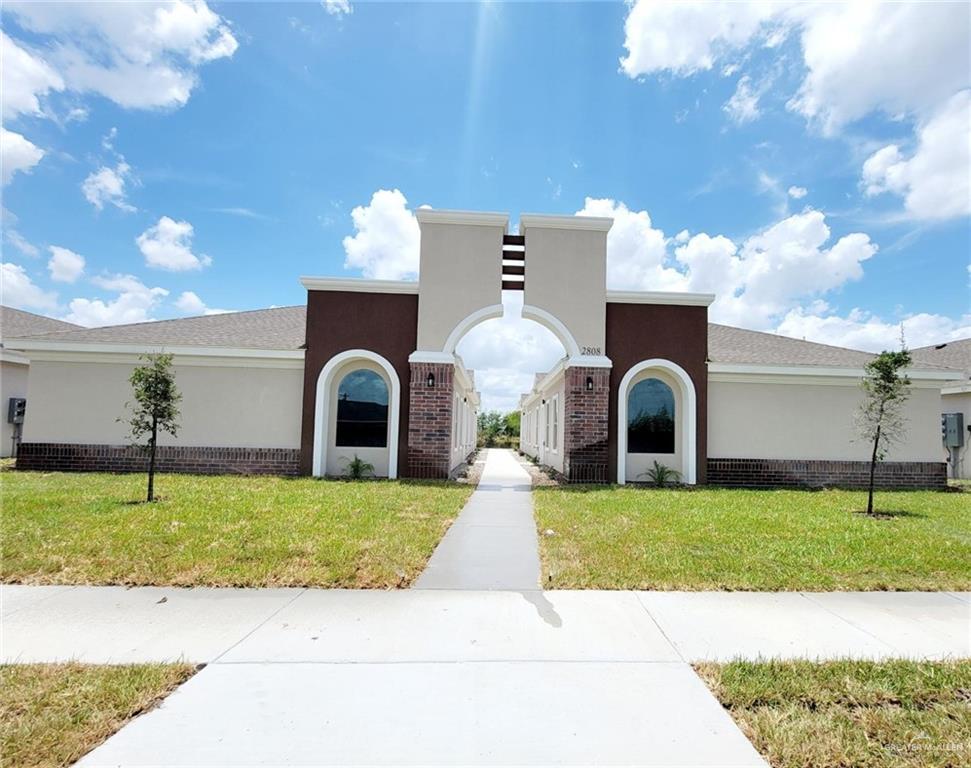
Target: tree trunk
[[873, 467], [151, 460]]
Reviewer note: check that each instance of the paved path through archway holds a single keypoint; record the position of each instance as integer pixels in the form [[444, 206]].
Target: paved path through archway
[[492, 544]]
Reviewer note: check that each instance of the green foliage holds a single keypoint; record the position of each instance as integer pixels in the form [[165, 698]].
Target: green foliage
[[512, 423], [358, 469], [492, 427], [155, 407], [880, 420], [661, 475]]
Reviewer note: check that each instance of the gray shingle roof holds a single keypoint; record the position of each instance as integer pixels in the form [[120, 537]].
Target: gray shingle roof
[[727, 344], [276, 328], [953, 354], [15, 323], [284, 328]]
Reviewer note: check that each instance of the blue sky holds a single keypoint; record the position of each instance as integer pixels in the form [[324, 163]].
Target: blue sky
[[200, 157]]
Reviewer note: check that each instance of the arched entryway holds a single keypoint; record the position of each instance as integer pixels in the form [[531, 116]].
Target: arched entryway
[[656, 420], [357, 410]]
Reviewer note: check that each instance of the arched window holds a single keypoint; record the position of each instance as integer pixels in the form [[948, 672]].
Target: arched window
[[650, 417], [362, 410]]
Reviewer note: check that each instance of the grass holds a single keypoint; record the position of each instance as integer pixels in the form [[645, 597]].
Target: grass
[[638, 538], [65, 528], [52, 714], [896, 714]]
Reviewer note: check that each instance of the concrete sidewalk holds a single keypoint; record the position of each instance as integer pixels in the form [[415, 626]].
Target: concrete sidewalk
[[117, 624], [448, 677], [492, 544]]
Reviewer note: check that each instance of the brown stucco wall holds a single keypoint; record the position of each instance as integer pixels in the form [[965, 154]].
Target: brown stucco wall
[[386, 323], [637, 332]]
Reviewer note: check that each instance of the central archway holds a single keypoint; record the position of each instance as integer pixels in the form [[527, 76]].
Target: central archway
[[541, 316]]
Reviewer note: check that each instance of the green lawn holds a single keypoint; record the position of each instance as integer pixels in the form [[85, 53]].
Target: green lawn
[[638, 538], [896, 714], [63, 528], [52, 714]]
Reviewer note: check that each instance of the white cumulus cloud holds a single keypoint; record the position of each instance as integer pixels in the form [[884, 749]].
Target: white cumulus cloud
[[107, 185], [19, 291], [168, 245], [190, 303], [797, 193], [337, 7], [25, 79], [386, 242], [863, 330], [139, 55], [134, 302], [65, 265], [934, 180], [17, 154]]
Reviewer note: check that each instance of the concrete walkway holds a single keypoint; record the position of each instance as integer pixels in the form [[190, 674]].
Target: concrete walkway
[[443, 677], [492, 544]]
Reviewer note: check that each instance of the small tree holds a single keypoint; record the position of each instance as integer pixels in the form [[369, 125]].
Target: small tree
[[881, 420], [492, 426], [512, 423], [156, 407]]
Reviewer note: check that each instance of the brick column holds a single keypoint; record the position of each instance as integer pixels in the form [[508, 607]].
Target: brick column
[[430, 420], [586, 416]]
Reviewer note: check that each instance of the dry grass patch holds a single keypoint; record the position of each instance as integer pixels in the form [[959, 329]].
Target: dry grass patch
[[895, 714], [52, 714], [63, 528], [711, 538]]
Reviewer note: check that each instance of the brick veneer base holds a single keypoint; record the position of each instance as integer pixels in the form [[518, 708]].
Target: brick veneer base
[[795, 473], [72, 457], [586, 417], [430, 420]]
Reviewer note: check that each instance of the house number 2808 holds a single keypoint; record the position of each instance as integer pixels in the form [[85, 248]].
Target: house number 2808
[[590, 350]]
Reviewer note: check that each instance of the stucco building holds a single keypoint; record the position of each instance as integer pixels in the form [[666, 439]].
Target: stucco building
[[955, 399], [369, 368]]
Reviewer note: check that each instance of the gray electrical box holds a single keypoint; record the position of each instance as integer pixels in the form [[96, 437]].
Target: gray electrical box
[[16, 408], [952, 428]]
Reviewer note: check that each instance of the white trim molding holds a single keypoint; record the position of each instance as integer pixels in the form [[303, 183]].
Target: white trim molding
[[590, 361], [661, 297], [468, 218], [322, 407], [546, 221], [358, 285], [688, 423], [816, 371], [422, 356], [45, 346], [468, 323], [554, 324], [959, 389]]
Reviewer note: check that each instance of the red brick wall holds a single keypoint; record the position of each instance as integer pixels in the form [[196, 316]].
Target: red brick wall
[[798, 473], [196, 460], [586, 426], [430, 424], [386, 323]]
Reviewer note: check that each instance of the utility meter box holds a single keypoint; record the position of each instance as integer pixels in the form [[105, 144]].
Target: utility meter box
[[952, 427], [16, 408]]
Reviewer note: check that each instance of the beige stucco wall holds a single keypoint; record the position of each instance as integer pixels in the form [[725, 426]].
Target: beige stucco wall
[[237, 406], [959, 403], [566, 275], [809, 421], [461, 272], [338, 456], [537, 438], [639, 463], [13, 383]]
